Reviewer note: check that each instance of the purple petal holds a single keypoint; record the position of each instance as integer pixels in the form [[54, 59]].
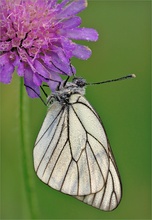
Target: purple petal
[[68, 47], [21, 69], [32, 90], [71, 23], [52, 83], [51, 3], [47, 75], [4, 58], [62, 67], [72, 9], [58, 62], [83, 34], [36, 79], [6, 69], [40, 68], [82, 52], [6, 72], [15, 58]]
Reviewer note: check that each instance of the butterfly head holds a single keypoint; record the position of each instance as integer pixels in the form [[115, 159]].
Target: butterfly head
[[66, 89]]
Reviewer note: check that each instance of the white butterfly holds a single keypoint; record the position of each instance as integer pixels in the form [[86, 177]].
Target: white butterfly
[[72, 153]]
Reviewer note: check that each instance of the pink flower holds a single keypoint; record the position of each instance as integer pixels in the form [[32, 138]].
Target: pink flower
[[35, 38]]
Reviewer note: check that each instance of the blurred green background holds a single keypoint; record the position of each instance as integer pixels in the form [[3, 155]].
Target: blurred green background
[[124, 107]]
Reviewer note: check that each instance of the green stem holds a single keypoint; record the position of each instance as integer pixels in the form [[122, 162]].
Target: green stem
[[26, 149]]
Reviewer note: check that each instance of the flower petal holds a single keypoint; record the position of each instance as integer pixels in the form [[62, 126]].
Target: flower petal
[[62, 67], [72, 9], [6, 73], [56, 61], [52, 78], [51, 3], [71, 23], [55, 82], [41, 70], [4, 58], [83, 34], [32, 89], [6, 69], [20, 69], [36, 79], [82, 52], [68, 47]]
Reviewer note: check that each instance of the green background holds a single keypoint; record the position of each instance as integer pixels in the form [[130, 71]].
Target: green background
[[124, 107]]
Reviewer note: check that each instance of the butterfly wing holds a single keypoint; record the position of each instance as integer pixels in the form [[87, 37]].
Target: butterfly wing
[[85, 131], [71, 152], [109, 197], [51, 152]]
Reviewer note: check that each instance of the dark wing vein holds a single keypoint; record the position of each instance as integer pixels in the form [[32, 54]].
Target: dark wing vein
[[57, 141], [87, 131], [50, 140], [91, 148], [89, 107], [89, 170], [49, 126], [56, 161]]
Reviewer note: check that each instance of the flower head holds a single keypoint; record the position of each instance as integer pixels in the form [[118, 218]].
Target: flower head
[[36, 39]]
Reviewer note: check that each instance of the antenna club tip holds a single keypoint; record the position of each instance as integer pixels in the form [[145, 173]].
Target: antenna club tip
[[133, 75]]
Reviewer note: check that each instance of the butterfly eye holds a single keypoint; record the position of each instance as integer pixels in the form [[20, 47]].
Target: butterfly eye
[[51, 101], [80, 82]]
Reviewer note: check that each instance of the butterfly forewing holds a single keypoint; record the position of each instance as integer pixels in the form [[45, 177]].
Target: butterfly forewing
[[46, 134]]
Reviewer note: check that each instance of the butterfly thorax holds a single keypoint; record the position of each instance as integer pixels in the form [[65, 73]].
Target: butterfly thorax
[[77, 86]]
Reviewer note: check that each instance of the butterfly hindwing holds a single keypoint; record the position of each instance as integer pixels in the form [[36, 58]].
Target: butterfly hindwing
[[109, 197]]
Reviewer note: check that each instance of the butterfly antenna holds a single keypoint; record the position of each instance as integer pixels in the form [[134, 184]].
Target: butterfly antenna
[[71, 67], [66, 80], [44, 91], [113, 80]]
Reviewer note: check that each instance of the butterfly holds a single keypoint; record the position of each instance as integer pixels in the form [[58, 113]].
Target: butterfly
[[72, 153]]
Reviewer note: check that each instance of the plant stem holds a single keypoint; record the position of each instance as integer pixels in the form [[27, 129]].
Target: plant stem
[[24, 120]]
